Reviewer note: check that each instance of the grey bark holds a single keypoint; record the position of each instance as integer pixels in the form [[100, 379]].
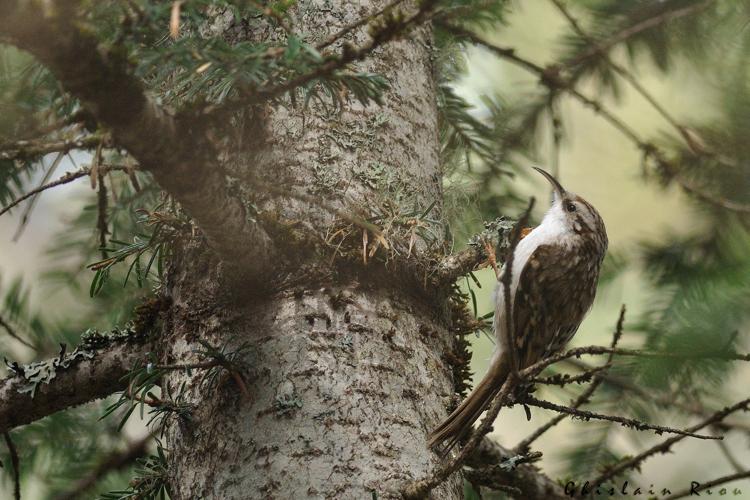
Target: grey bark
[[346, 369]]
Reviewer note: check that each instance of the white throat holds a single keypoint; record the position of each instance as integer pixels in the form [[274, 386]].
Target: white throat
[[552, 229]]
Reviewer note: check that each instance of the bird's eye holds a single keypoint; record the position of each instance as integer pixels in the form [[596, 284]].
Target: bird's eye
[[570, 207]]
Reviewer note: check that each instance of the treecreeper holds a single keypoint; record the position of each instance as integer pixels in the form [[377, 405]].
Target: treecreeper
[[553, 282]]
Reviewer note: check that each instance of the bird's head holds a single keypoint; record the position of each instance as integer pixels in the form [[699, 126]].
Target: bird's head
[[573, 212]]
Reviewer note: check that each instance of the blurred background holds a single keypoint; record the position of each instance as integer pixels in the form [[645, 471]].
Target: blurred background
[[679, 260]]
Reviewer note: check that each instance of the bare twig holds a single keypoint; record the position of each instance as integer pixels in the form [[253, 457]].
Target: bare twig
[[15, 462], [420, 488], [614, 470], [586, 395], [625, 422], [101, 213], [696, 487]]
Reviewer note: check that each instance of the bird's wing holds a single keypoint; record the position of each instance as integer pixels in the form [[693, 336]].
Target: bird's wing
[[548, 305]]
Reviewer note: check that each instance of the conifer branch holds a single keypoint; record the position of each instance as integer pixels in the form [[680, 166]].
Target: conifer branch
[[173, 148], [552, 78], [628, 32]]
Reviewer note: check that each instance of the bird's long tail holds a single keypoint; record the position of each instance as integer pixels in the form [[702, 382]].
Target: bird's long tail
[[462, 418]]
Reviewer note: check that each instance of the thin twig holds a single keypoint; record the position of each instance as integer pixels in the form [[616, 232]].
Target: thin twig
[[21, 150], [419, 489], [695, 489], [15, 462], [65, 179], [189, 366], [586, 395], [101, 218], [634, 462]]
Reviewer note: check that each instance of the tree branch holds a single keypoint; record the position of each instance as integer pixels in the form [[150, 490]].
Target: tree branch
[[174, 149], [92, 371]]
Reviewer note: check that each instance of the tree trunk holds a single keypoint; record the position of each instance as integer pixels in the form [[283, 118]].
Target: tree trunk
[[346, 369]]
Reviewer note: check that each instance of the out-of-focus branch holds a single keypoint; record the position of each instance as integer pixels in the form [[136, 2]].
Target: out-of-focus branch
[[175, 150], [15, 462], [551, 77], [630, 31], [12, 332], [116, 461], [624, 73]]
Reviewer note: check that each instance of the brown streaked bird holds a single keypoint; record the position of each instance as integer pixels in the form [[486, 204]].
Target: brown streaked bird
[[555, 273]]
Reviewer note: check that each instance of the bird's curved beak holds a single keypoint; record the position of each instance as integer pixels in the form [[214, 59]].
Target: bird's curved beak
[[559, 190]]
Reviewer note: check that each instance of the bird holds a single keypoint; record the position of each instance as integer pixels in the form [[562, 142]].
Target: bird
[[553, 282]]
